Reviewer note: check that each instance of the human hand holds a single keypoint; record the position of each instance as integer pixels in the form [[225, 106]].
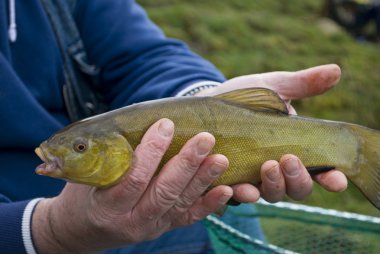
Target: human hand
[[143, 205], [288, 176]]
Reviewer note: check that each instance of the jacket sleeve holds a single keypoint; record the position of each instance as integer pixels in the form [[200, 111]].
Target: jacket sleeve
[[137, 61], [15, 221]]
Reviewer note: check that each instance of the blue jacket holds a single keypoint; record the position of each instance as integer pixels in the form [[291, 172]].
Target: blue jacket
[[137, 61]]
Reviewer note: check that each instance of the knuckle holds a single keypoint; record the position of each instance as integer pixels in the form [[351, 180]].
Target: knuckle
[[136, 181], [148, 153], [154, 148], [193, 192], [188, 162], [165, 194], [183, 204], [201, 183]]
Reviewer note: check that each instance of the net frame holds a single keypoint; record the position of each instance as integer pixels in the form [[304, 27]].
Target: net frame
[[227, 239]]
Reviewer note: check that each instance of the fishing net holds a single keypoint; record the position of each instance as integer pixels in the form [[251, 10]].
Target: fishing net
[[292, 228]]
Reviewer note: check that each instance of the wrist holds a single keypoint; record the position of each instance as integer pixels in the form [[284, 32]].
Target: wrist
[[26, 225], [42, 232], [51, 230], [41, 235], [198, 88]]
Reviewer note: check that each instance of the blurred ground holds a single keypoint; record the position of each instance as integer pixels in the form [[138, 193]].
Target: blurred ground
[[242, 37]]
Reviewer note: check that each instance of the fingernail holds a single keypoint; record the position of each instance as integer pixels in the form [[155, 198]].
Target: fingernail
[[292, 167], [203, 147], [273, 174], [166, 128], [215, 170]]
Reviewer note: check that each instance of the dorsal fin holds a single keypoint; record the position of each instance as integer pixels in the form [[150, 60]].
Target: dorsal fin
[[258, 98]]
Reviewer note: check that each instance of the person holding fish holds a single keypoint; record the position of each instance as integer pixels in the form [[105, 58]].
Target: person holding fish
[[153, 199]]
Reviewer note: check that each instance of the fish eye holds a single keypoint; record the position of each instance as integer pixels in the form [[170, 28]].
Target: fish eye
[[80, 146]]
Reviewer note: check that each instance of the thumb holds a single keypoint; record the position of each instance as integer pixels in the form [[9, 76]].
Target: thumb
[[309, 82], [289, 85]]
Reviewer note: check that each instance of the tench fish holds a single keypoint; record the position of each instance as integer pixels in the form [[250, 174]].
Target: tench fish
[[251, 126]]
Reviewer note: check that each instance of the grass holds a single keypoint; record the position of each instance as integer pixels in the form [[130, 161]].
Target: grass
[[242, 37]]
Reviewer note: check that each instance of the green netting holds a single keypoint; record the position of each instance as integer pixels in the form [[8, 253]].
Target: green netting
[[291, 228]]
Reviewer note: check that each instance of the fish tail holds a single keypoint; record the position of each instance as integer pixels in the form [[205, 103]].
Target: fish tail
[[366, 175]]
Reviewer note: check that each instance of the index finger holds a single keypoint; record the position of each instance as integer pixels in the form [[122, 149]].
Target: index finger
[[174, 177], [147, 157]]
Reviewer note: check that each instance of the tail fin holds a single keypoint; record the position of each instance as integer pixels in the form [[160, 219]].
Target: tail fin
[[367, 173]]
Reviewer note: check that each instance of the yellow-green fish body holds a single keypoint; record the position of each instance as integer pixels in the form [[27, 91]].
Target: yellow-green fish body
[[251, 126]]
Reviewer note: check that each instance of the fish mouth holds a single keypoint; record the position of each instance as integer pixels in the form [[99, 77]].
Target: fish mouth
[[51, 165]]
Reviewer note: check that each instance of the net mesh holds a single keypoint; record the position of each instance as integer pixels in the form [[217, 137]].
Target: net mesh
[[291, 228]]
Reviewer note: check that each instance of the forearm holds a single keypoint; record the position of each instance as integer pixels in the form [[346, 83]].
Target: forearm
[[138, 62]]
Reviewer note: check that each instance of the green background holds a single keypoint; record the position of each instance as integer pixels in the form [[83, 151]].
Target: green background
[[252, 36]]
